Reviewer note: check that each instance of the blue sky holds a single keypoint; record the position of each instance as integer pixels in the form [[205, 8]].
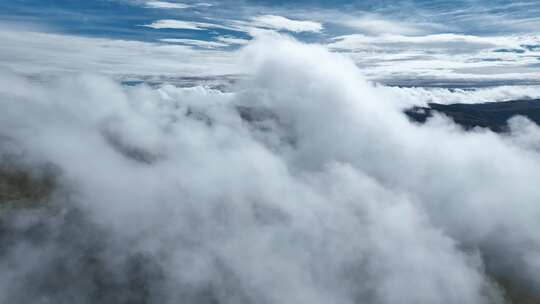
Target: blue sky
[[122, 18], [422, 40]]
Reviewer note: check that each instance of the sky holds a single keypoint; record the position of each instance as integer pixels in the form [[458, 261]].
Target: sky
[[424, 43]]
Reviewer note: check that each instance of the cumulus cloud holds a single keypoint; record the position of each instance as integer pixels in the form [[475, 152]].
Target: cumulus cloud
[[305, 185], [282, 23]]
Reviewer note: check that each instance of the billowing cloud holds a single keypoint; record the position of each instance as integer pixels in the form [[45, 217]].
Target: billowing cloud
[[306, 184]]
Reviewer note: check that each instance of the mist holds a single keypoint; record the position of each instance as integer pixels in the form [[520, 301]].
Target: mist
[[305, 184]]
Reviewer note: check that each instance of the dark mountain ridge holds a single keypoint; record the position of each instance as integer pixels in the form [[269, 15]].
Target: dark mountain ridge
[[492, 115]]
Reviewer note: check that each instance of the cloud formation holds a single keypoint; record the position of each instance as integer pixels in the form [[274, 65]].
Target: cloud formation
[[282, 23], [305, 185], [166, 5], [377, 25], [232, 40], [44, 54], [442, 59], [197, 43], [451, 58], [422, 96], [184, 25]]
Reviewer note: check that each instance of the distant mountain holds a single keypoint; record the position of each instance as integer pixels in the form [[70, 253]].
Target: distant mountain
[[493, 115]]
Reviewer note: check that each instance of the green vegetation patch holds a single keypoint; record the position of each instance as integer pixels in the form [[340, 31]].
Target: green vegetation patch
[[19, 188]]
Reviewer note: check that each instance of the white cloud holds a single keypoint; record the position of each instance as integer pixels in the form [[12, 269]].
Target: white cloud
[[282, 23], [326, 186], [166, 5], [232, 40], [198, 43], [374, 24], [42, 53], [409, 96], [450, 42], [388, 57], [440, 56], [184, 25]]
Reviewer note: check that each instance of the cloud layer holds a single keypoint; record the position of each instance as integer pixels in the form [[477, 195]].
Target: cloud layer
[[43, 54], [441, 60], [304, 185]]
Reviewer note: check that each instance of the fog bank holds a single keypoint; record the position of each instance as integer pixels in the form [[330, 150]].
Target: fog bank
[[307, 184]]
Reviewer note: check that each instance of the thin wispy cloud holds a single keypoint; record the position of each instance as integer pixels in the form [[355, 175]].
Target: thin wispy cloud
[[282, 23], [197, 43], [232, 40], [62, 53], [188, 25], [376, 25], [166, 5]]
